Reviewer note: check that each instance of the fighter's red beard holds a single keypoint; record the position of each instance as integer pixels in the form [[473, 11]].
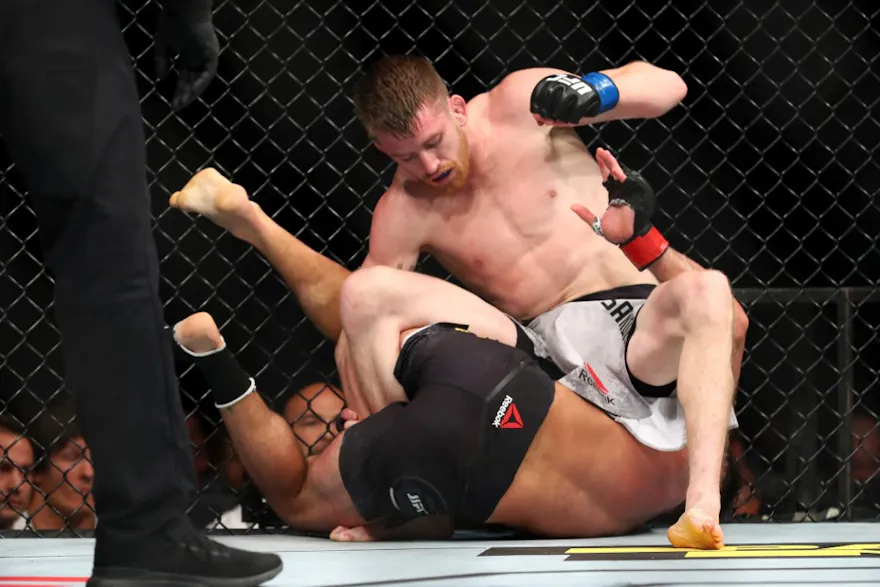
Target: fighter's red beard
[[460, 167]]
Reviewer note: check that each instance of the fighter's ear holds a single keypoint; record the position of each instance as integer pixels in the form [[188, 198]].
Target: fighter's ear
[[458, 105], [378, 145]]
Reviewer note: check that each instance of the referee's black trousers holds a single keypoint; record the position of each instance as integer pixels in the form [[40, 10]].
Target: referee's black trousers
[[70, 117]]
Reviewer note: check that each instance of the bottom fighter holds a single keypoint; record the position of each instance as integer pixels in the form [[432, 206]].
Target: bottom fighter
[[476, 430]]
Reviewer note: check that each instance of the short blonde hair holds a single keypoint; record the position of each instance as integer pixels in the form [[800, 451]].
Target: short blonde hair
[[394, 89]]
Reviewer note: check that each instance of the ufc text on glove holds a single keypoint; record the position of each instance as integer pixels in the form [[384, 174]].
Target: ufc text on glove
[[567, 98]]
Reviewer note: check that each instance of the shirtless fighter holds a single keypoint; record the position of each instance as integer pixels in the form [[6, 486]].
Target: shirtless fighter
[[479, 432], [494, 189]]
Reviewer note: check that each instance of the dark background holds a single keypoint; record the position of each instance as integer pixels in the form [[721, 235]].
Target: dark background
[[767, 171]]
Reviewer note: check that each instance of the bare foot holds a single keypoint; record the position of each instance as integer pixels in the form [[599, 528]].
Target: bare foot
[[198, 333], [226, 204], [695, 529]]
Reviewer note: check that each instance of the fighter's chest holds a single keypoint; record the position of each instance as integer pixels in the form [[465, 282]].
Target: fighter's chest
[[503, 210]]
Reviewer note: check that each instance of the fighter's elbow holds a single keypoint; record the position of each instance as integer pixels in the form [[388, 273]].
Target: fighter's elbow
[[670, 90], [665, 90], [676, 88], [312, 519]]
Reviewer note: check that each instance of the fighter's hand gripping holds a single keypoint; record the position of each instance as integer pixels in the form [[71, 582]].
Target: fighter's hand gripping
[[627, 221]]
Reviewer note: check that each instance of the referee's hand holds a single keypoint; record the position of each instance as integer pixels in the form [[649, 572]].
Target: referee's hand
[[186, 31]]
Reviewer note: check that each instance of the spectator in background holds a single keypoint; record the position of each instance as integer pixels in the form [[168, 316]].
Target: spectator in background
[[198, 433], [866, 456], [312, 412], [16, 461], [63, 474], [747, 501]]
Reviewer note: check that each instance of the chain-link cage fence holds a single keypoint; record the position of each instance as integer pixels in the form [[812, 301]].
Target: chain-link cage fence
[[766, 172]]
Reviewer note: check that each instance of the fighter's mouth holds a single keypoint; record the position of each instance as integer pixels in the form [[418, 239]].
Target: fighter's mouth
[[442, 176]]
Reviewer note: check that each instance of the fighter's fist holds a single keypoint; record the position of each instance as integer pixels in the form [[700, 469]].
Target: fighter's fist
[[226, 204], [564, 99], [617, 224]]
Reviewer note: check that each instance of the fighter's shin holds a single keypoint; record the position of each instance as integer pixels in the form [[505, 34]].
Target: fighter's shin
[[227, 380]]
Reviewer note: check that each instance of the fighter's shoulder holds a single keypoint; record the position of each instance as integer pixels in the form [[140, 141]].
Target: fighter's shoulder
[[397, 205], [510, 98], [391, 203]]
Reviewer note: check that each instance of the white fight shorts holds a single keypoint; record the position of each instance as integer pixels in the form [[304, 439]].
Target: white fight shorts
[[587, 339]]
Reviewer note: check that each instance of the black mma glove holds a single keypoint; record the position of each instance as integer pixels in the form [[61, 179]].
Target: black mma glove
[[646, 244], [568, 98], [187, 31]]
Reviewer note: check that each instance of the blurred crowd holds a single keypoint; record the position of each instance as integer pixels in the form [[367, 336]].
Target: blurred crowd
[[46, 473]]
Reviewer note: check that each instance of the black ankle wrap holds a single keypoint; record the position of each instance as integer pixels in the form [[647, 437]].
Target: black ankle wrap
[[228, 382]]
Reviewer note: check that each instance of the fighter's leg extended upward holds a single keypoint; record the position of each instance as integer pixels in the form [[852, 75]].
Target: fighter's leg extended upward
[[317, 283], [691, 330]]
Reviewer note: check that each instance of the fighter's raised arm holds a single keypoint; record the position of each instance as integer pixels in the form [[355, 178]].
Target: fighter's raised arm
[[554, 97]]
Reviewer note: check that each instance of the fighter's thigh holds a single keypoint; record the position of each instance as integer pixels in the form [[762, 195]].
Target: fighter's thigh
[[412, 300], [690, 302], [654, 350]]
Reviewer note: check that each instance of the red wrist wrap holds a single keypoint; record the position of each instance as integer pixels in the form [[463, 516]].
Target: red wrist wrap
[[644, 250]]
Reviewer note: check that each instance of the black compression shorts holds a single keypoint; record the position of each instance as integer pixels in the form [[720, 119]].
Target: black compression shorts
[[455, 447]]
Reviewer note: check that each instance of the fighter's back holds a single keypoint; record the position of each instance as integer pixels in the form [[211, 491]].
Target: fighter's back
[[585, 475], [509, 233]]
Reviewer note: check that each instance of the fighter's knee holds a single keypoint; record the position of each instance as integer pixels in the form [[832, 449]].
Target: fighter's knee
[[740, 323], [361, 292], [706, 298]]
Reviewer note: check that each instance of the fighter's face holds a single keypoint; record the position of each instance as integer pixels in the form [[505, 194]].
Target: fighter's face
[[16, 459], [312, 412], [437, 151]]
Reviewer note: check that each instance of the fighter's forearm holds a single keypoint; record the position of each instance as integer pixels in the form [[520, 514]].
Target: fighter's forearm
[[267, 448], [644, 91], [314, 279], [672, 264]]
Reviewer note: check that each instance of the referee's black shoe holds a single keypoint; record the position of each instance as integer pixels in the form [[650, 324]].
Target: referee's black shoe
[[191, 561]]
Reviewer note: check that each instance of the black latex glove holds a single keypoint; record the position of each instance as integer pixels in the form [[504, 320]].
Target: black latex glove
[[186, 30]]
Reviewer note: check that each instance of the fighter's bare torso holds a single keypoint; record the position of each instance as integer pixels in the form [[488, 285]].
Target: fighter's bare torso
[[585, 475], [509, 233]]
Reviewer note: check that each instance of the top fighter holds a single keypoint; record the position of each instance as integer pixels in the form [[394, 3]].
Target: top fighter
[[494, 188]]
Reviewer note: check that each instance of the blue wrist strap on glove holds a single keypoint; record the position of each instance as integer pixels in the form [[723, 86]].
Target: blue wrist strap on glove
[[605, 89]]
